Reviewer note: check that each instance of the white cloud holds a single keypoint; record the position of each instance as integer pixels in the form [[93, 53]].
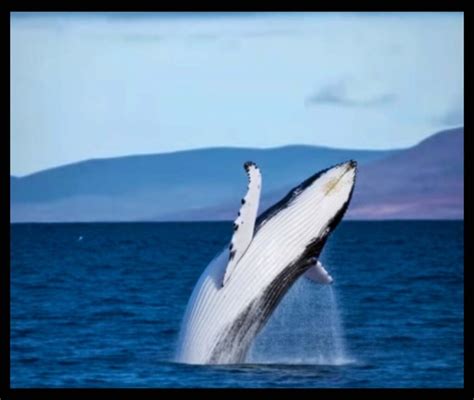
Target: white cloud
[[350, 93]]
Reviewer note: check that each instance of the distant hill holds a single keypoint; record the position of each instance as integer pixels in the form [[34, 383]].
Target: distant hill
[[207, 184], [425, 181]]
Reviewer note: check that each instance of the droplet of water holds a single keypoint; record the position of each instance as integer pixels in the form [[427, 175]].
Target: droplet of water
[[305, 329]]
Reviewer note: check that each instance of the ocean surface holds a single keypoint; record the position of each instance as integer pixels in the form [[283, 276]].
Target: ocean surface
[[100, 305]]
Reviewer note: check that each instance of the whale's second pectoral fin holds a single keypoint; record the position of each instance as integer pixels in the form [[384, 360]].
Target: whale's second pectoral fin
[[318, 274], [245, 223]]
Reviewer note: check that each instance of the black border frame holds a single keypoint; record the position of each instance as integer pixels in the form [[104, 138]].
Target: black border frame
[[6, 392]]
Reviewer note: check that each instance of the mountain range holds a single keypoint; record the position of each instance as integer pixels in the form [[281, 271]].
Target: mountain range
[[425, 181]]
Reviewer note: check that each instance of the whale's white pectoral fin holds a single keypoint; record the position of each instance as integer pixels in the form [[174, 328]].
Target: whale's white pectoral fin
[[245, 223], [318, 274]]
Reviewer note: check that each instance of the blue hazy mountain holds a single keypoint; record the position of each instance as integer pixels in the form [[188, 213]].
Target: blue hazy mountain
[[426, 181], [163, 185], [207, 184]]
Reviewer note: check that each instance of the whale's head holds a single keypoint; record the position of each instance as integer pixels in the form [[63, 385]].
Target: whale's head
[[315, 206]]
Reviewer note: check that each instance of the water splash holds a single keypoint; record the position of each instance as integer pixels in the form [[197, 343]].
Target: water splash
[[305, 329]]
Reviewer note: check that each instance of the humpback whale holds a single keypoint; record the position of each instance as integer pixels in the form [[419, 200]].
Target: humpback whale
[[241, 287]]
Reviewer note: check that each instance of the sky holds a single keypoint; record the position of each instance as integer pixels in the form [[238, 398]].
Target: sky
[[99, 85]]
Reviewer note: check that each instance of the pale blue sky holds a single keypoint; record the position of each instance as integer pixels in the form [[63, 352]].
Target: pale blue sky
[[92, 86]]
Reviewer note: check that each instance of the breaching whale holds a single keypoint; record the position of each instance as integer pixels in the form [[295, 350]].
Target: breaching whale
[[240, 288]]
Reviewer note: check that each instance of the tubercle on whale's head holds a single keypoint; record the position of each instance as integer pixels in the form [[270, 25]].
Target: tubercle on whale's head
[[339, 176], [338, 186], [346, 166]]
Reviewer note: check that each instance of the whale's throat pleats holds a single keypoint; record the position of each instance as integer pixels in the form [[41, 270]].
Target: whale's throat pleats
[[236, 338], [244, 225]]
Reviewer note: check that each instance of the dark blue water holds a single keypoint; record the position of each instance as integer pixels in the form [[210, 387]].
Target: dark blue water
[[100, 305]]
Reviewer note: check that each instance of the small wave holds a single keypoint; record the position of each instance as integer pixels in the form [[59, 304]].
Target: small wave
[[323, 361], [113, 313]]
